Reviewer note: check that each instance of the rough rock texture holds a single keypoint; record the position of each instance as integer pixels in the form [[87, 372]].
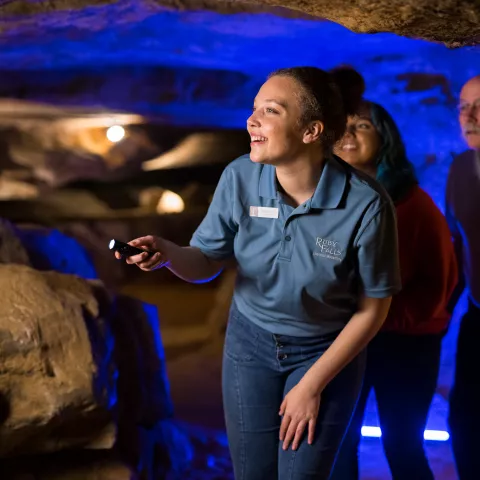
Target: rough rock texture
[[57, 379], [84, 370], [451, 21], [196, 68], [11, 247], [454, 22], [81, 368], [51, 147], [162, 63], [61, 151], [136, 328]]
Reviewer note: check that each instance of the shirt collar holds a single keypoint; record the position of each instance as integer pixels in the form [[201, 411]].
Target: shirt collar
[[267, 186], [329, 191]]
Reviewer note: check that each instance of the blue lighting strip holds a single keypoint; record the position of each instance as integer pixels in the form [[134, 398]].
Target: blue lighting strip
[[435, 435]]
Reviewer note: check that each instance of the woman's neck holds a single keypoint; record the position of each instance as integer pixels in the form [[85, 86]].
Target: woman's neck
[[299, 179]]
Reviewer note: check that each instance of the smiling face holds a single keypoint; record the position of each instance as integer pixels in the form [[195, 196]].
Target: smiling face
[[275, 127], [469, 112], [361, 143]]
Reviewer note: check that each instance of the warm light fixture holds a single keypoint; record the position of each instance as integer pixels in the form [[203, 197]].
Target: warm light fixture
[[170, 202], [436, 435], [115, 133]]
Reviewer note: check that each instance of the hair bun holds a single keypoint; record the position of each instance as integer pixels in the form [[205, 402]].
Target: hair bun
[[352, 87]]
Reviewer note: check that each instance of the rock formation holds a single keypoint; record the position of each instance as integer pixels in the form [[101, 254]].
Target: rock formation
[[175, 67], [451, 21], [58, 373], [83, 370]]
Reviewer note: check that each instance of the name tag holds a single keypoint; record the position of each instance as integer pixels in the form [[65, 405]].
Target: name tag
[[264, 212]]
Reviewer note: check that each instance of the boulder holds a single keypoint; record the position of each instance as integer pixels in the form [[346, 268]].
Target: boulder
[[57, 382], [83, 369]]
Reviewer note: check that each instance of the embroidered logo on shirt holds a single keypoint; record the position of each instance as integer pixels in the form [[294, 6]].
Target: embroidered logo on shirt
[[327, 248]]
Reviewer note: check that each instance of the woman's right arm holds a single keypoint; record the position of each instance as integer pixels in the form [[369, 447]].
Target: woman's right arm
[[211, 246], [187, 263]]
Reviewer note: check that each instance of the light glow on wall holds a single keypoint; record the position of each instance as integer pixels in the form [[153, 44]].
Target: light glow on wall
[[115, 133], [170, 202]]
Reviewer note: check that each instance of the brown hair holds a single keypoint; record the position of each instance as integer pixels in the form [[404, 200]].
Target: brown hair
[[327, 96]]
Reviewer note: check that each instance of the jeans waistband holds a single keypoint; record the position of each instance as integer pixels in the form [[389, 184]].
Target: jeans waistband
[[234, 311]]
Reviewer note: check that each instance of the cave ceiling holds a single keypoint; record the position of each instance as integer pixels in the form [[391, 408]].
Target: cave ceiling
[[454, 22], [160, 58], [198, 64]]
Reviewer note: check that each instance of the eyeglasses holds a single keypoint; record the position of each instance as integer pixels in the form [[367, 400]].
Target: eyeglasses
[[465, 108]]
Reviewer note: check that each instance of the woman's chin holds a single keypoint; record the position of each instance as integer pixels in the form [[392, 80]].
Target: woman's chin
[[256, 158], [350, 158]]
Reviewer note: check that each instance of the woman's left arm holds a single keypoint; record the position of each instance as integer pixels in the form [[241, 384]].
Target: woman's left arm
[[358, 332], [379, 278], [300, 406]]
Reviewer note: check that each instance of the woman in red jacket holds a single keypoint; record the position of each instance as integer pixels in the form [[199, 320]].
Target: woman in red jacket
[[404, 358]]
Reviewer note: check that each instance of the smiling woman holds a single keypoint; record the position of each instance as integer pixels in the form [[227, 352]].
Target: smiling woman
[[404, 358], [281, 114], [316, 247], [361, 141]]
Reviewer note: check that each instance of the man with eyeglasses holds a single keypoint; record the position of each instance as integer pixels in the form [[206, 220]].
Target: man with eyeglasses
[[463, 215]]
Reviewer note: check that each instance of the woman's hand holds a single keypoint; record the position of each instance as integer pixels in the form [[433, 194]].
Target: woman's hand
[[145, 261], [299, 410]]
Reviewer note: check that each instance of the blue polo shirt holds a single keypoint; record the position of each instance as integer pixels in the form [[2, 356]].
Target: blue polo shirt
[[302, 271]]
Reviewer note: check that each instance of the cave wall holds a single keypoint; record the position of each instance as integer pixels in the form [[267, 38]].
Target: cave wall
[[202, 69]]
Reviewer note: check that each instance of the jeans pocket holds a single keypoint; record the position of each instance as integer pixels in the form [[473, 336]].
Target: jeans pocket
[[241, 340]]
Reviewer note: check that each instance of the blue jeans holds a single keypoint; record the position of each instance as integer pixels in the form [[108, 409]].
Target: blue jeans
[[403, 371], [258, 371], [464, 414]]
